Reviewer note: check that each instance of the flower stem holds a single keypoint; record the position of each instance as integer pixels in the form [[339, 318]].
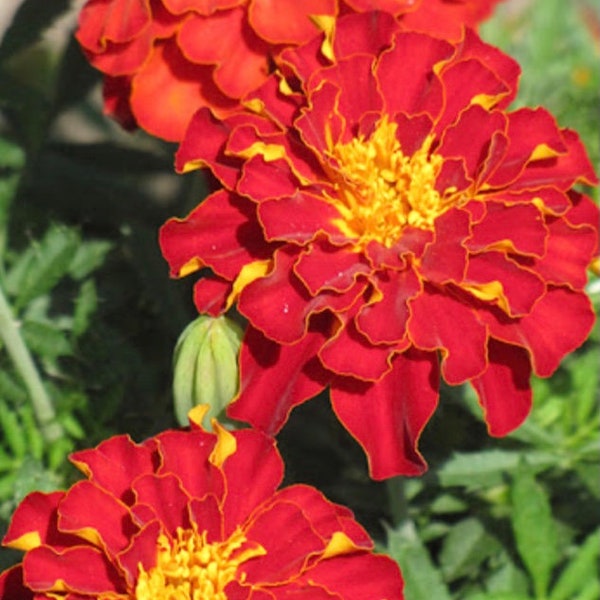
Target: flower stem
[[43, 408], [397, 503]]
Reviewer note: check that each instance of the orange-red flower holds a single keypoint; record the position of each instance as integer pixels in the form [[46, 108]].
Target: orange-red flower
[[190, 514], [164, 59], [385, 222]]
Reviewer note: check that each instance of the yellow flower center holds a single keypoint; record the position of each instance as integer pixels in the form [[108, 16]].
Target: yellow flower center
[[189, 568], [381, 190]]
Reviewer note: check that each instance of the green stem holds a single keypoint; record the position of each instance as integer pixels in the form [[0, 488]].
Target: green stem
[[397, 502], [43, 408]]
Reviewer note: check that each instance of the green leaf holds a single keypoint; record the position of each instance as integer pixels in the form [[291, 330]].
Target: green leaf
[[32, 476], [448, 504], [12, 431], [581, 569], [72, 426], [8, 188], [45, 339], [12, 156], [35, 440], [585, 387], [499, 596], [476, 470], [48, 262], [15, 276], [58, 452], [31, 20], [588, 475], [422, 581], [89, 256], [465, 547], [534, 529], [591, 591], [7, 485], [12, 161], [507, 577], [86, 304], [11, 389], [7, 463]]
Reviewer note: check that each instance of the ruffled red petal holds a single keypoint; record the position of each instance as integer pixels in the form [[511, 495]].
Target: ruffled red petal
[[527, 129], [444, 260], [81, 570], [507, 376], [225, 40], [116, 21], [35, 521], [96, 516], [287, 21], [115, 93], [572, 319], [122, 59], [384, 321], [186, 456], [208, 512], [570, 250], [204, 237], [181, 87], [356, 577], [339, 354], [262, 180], [140, 553], [11, 584], [252, 477], [482, 81], [286, 555], [407, 79], [325, 517], [447, 17], [521, 287], [387, 417], [275, 378], [166, 497], [114, 463], [478, 126], [280, 305], [518, 228], [327, 267], [210, 295], [203, 7], [441, 322], [299, 219]]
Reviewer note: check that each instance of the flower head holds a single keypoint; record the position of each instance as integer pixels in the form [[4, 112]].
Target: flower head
[[165, 59], [190, 514], [385, 221]]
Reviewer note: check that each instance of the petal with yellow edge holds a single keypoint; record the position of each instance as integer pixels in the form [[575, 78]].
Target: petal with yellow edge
[[208, 521]]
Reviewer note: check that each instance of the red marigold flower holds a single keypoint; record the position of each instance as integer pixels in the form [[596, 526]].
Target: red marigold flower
[[389, 213], [191, 514], [165, 59]]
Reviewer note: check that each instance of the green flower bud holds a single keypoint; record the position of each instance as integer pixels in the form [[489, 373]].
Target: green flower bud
[[205, 366]]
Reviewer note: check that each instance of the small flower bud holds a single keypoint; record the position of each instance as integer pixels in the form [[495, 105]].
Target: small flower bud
[[205, 366]]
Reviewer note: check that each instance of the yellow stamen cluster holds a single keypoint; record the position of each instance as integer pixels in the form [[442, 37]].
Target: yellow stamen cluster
[[190, 568], [381, 190]]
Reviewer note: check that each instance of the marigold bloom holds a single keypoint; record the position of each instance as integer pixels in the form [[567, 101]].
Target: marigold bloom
[[164, 59], [191, 514], [387, 223]]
